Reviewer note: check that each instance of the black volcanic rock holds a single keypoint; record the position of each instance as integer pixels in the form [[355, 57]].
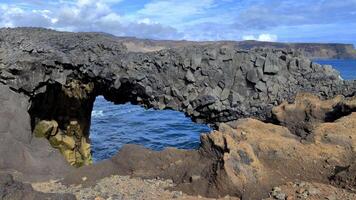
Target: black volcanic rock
[[55, 76]]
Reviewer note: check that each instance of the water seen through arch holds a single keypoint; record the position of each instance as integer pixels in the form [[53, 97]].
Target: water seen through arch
[[112, 126]]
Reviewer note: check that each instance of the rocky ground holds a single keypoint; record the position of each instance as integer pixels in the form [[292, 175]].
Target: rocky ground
[[11, 189], [309, 191], [121, 188]]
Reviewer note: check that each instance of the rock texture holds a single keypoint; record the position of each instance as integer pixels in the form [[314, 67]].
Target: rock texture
[[49, 81], [14, 190], [246, 159], [308, 111], [122, 188], [310, 191]]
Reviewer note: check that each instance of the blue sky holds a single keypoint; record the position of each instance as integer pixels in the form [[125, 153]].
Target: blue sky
[[265, 20]]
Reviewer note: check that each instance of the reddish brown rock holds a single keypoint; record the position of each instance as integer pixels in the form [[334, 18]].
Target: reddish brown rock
[[307, 111]]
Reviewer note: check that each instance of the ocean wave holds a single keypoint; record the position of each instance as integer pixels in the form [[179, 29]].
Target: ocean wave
[[97, 113]]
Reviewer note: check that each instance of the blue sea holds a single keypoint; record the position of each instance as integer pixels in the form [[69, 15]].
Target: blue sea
[[347, 68], [112, 126]]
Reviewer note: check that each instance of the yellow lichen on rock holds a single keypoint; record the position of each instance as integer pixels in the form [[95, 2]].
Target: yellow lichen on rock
[[85, 151], [78, 90], [45, 128], [70, 142]]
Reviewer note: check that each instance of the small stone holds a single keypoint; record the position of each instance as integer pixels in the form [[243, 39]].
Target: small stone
[[300, 190], [252, 76], [69, 155], [280, 196], [313, 191], [271, 65], [68, 142], [301, 184], [260, 61], [225, 94], [45, 128], [190, 77], [261, 86], [56, 141], [289, 198], [84, 178], [194, 178], [331, 197]]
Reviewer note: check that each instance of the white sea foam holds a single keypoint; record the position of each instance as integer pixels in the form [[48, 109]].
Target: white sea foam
[[97, 113]]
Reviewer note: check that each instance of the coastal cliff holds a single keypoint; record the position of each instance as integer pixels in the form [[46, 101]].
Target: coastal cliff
[[49, 81], [309, 50]]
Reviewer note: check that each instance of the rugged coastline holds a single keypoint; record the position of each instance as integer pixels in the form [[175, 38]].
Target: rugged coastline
[[271, 108], [309, 50]]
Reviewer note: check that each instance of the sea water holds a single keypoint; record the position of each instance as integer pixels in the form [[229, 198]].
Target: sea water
[[347, 68], [112, 126]]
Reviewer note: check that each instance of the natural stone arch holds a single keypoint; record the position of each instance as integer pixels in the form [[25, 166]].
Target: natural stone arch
[[210, 83]]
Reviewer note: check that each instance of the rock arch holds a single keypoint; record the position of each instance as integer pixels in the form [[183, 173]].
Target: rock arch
[[60, 73]]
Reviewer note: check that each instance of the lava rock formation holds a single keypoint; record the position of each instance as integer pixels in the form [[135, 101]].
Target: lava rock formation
[[49, 81]]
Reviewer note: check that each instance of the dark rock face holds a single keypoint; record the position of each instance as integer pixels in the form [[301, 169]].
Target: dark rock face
[[48, 76], [34, 158], [14, 190], [207, 83]]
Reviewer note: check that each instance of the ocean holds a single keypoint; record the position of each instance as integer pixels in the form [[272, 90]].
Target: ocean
[[112, 126], [347, 68]]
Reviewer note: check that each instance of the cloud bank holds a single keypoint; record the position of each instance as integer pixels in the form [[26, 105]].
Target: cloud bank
[[264, 20], [262, 37]]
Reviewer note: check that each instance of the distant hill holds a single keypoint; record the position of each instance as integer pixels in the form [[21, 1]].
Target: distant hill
[[310, 50]]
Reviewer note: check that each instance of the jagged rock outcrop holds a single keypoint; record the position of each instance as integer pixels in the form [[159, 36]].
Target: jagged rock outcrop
[[49, 81]]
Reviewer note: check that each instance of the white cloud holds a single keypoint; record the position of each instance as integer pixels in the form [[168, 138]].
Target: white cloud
[[146, 21], [84, 15], [191, 19], [170, 12], [262, 37]]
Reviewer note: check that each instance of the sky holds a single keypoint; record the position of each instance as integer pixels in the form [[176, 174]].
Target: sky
[[263, 20]]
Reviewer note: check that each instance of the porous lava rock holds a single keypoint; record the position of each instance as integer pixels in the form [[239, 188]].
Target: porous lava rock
[[307, 111]]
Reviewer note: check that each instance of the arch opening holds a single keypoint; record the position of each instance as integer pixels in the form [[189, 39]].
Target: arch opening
[[113, 126], [63, 115]]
